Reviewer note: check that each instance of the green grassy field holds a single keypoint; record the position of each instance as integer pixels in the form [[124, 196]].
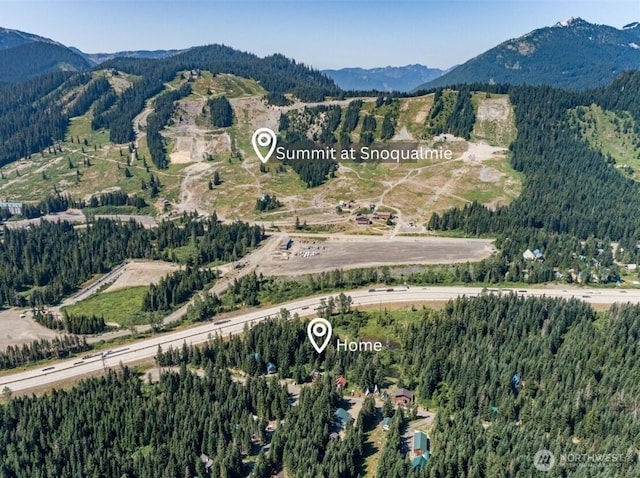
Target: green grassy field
[[121, 306], [613, 134], [382, 324]]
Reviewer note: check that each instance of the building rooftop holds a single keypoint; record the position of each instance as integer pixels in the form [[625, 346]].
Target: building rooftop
[[403, 392], [421, 460], [342, 415], [420, 441]]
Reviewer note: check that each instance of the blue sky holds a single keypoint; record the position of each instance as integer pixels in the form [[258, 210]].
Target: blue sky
[[324, 34]]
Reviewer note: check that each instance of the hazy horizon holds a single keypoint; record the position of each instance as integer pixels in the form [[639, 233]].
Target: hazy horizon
[[324, 35]]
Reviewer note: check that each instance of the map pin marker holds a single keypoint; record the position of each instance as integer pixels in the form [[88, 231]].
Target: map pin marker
[[264, 137], [317, 329]]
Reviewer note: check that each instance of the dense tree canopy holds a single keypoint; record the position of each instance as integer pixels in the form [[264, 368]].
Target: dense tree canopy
[[570, 187], [52, 259], [575, 392], [220, 112], [575, 374], [32, 116]]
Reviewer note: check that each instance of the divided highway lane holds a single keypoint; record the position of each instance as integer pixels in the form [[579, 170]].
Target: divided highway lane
[[147, 348]]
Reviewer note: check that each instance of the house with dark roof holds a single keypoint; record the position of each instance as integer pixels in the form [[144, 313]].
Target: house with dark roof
[[363, 221], [403, 396], [383, 216]]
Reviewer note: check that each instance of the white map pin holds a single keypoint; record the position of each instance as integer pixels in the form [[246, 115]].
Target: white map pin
[[264, 137], [317, 329]]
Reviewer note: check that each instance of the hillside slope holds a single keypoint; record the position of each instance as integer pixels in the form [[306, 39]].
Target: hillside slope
[[573, 54], [134, 82], [24, 55], [13, 38], [215, 168], [32, 59]]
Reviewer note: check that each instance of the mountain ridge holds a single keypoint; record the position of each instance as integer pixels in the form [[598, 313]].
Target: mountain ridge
[[97, 58], [26, 55], [35, 58], [387, 78], [10, 38], [573, 54]]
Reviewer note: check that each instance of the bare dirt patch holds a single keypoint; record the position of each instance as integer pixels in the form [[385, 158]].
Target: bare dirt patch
[[192, 143], [71, 215], [254, 112], [479, 152], [350, 252], [494, 109], [137, 273], [403, 135], [16, 330], [490, 175], [180, 157], [192, 187], [144, 220], [495, 121], [119, 82]]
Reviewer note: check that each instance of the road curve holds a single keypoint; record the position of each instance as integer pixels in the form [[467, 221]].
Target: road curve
[[144, 349]]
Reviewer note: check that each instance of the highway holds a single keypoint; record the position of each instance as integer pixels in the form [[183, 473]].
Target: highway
[[64, 370]]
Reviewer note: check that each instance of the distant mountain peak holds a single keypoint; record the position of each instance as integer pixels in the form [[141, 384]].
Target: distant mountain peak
[[569, 21], [24, 55], [573, 54], [11, 38], [387, 78], [97, 58]]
